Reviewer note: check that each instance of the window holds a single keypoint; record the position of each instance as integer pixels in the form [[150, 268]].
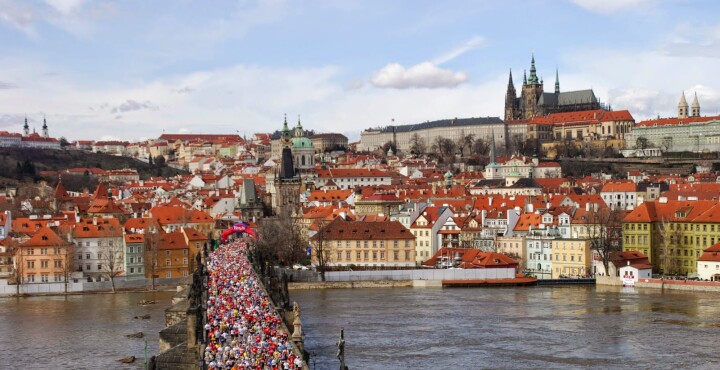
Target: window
[[44, 278], [87, 267], [43, 251], [132, 270], [382, 255], [407, 255], [99, 266], [169, 274], [407, 243], [58, 278], [185, 261], [167, 253], [44, 264], [167, 262], [31, 278], [31, 251], [58, 263], [347, 255], [87, 256], [366, 255], [374, 255], [185, 273], [374, 243], [31, 264], [395, 243], [132, 260], [357, 255], [139, 260]]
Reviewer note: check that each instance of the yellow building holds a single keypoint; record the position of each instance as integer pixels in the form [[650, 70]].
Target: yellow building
[[571, 257], [379, 244], [672, 233]]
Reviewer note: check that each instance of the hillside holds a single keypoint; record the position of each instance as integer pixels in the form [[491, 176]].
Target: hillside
[[54, 160]]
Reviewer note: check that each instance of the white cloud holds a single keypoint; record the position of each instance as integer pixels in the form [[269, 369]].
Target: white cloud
[[65, 6], [17, 15], [612, 6], [423, 75], [133, 105], [473, 43]]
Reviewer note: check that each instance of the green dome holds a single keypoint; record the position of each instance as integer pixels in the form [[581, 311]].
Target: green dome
[[301, 142]]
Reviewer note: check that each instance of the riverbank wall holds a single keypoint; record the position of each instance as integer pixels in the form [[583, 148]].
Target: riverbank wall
[[309, 285], [121, 284], [686, 285]]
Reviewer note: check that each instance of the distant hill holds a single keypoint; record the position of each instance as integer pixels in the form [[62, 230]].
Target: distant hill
[[14, 160]]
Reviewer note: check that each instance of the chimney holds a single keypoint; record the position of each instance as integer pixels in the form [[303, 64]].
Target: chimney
[[628, 263], [343, 215], [587, 207]]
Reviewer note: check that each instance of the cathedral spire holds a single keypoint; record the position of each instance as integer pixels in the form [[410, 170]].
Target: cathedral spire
[[533, 72], [557, 82], [524, 77]]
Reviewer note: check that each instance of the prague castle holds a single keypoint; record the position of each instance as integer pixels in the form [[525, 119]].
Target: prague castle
[[534, 101]]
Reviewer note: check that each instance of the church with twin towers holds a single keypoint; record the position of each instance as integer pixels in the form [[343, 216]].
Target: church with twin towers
[[535, 101]]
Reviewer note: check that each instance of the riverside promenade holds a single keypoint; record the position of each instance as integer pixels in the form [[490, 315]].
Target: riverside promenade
[[243, 330]]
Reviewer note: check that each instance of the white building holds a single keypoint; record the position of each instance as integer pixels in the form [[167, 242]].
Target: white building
[[708, 265], [620, 195]]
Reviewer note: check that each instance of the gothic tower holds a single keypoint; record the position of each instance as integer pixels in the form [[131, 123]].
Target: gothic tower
[[531, 92], [695, 107], [26, 128], [285, 135], [557, 82], [683, 107], [512, 110]]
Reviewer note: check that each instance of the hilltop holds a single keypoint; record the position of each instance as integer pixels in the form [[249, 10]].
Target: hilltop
[[54, 160]]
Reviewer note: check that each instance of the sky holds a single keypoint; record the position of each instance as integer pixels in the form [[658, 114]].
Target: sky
[[133, 69]]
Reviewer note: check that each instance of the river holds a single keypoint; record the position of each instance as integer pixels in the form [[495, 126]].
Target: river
[[79, 331], [531, 327]]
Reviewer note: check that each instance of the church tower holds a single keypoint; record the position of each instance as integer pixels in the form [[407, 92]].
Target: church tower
[[683, 107], [285, 135], [45, 128], [695, 107], [557, 82], [531, 92], [26, 128], [512, 110]]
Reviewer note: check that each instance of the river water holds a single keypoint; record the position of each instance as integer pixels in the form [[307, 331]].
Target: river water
[[502, 328], [79, 331]]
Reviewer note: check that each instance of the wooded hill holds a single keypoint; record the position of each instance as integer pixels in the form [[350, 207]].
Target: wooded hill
[[23, 164]]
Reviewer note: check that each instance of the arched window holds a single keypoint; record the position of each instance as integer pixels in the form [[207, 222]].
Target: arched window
[[303, 160]]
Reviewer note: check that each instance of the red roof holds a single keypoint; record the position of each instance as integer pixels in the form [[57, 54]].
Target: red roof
[[675, 121]]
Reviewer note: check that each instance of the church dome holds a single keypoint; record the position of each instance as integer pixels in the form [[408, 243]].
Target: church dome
[[301, 142]]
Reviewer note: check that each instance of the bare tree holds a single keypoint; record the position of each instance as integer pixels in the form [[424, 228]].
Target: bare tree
[[465, 142], [667, 239], [642, 143], [417, 144], [480, 146], [321, 249], [18, 270], [65, 255], [604, 229], [113, 259], [281, 240], [152, 245]]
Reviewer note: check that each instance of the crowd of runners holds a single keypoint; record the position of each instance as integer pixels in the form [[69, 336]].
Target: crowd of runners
[[243, 330]]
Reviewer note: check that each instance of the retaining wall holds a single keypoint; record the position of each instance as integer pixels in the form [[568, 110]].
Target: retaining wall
[[350, 284], [426, 274], [83, 286]]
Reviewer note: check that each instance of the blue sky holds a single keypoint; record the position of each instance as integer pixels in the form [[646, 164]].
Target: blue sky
[[133, 69]]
